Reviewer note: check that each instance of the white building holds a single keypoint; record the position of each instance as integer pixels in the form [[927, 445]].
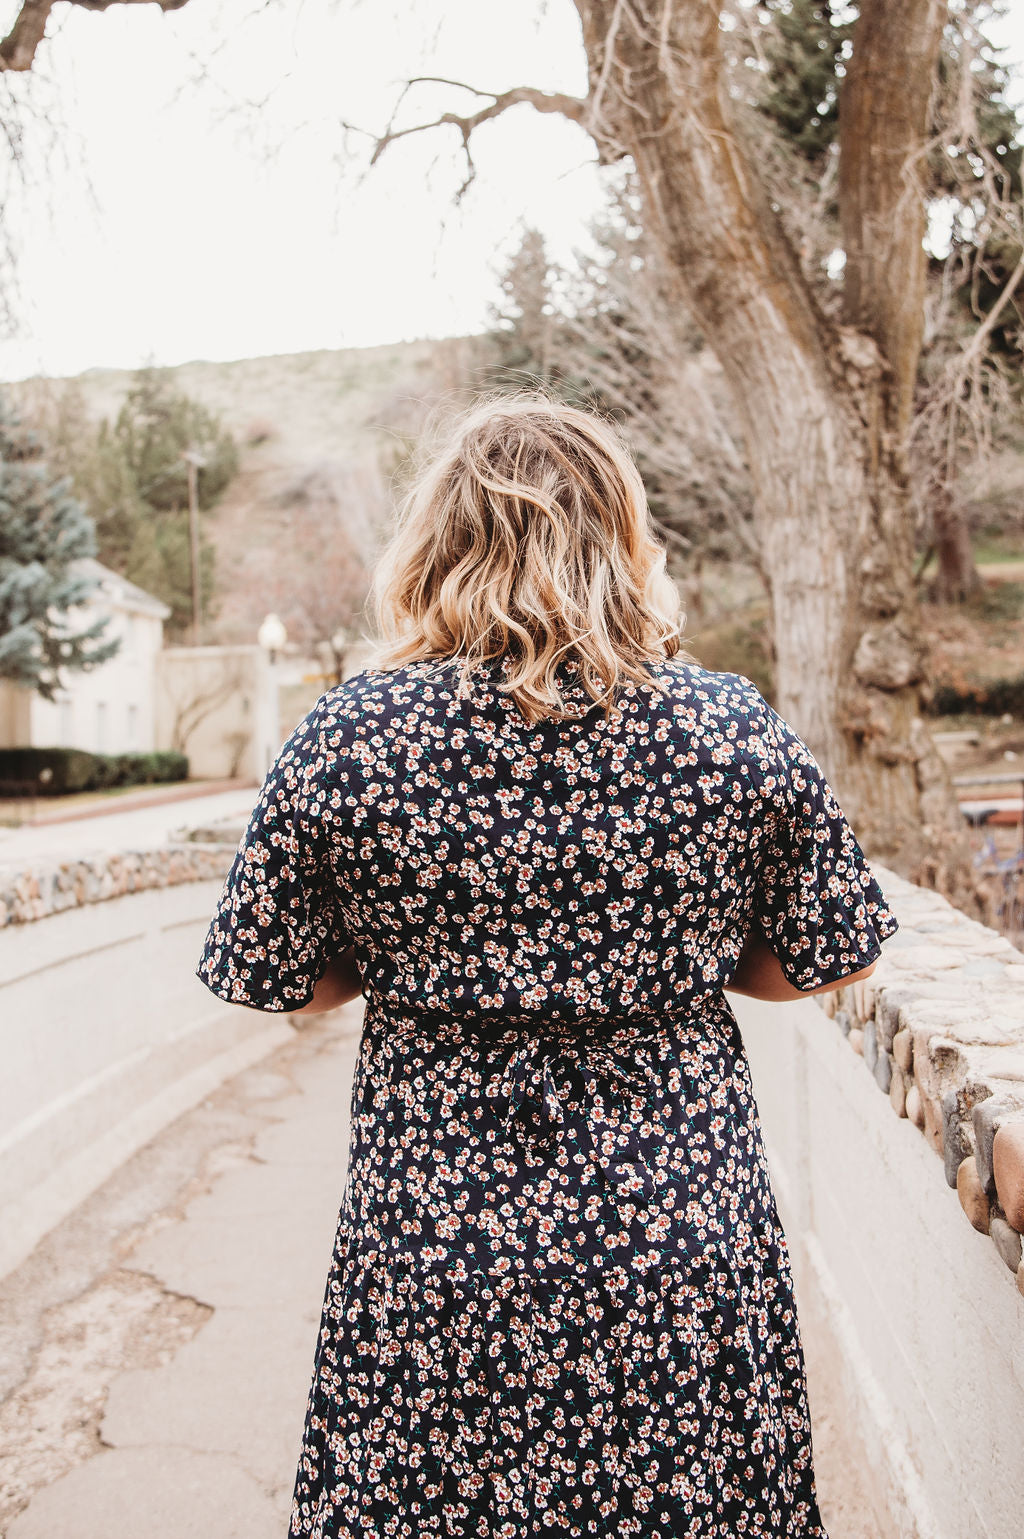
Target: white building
[[109, 708]]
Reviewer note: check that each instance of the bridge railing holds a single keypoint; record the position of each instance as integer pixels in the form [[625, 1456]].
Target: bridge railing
[[894, 1125], [106, 1035]]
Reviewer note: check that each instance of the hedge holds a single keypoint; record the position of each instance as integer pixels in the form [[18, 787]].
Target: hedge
[[74, 769], [1000, 697]]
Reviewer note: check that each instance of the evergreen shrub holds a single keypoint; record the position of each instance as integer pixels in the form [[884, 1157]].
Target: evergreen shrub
[[998, 697], [75, 769]]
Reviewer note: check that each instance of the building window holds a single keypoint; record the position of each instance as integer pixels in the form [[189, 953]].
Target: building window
[[101, 726], [133, 726], [65, 723]]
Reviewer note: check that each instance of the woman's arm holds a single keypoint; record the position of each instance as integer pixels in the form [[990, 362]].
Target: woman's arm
[[760, 974], [340, 983]]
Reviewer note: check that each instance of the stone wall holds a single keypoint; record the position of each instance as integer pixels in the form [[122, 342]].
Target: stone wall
[[940, 1027], [42, 888], [892, 1112]]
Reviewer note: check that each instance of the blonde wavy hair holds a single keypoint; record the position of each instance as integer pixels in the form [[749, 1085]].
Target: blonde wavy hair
[[527, 536]]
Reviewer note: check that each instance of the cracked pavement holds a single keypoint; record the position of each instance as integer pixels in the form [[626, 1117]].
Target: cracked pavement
[[156, 1348]]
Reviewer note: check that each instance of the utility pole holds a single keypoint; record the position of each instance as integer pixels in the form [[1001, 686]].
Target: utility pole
[[194, 460]]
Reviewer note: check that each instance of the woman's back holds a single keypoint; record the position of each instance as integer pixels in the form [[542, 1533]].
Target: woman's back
[[560, 1297], [560, 1293], [563, 870]]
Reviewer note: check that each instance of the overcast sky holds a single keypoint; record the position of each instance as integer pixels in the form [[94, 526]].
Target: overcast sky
[[177, 218], [230, 222]]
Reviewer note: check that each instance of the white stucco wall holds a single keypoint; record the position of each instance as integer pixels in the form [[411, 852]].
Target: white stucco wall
[[229, 708], [105, 1037], [110, 709], [923, 1323], [215, 704], [106, 709]]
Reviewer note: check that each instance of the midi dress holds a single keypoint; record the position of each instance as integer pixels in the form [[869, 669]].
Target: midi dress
[[560, 1299]]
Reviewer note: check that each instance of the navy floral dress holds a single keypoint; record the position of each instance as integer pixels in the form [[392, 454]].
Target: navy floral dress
[[560, 1299]]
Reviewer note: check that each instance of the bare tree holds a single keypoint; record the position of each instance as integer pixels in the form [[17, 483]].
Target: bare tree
[[973, 316], [628, 334], [316, 574], [956, 416], [613, 332], [823, 398]]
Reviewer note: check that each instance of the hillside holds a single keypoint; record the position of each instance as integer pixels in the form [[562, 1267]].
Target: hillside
[[325, 428], [325, 431], [316, 403]]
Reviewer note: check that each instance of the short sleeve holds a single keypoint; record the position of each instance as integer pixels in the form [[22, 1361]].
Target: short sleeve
[[817, 900], [276, 925]]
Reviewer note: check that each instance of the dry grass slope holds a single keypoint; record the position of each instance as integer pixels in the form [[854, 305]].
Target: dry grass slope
[[332, 423]]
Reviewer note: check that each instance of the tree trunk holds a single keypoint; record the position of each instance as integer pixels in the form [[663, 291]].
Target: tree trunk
[[820, 408], [957, 577], [883, 122]]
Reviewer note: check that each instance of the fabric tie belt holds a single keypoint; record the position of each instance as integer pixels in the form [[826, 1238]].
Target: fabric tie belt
[[534, 1065], [531, 1081]]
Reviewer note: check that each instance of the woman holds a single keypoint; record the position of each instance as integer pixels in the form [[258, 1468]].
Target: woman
[[542, 841]]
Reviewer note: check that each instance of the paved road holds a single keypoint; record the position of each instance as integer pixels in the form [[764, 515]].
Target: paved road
[[156, 1349], [139, 829]]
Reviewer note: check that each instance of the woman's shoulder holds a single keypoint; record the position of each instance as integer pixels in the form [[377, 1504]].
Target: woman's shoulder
[[725, 712], [697, 688], [367, 699]]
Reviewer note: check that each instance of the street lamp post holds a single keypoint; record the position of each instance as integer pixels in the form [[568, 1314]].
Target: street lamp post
[[272, 637], [194, 462], [339, 641]]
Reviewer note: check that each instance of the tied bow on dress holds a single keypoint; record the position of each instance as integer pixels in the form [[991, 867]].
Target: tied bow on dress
[[529, 1082]]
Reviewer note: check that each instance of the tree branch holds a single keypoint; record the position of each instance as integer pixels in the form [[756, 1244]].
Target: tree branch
[[573, 107], [18, 48], [959, 399]]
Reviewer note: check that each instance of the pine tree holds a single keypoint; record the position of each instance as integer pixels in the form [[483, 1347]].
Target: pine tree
[[95, 464], [132, 478], [523, 322], [142, 493], [804, 49], [44, 532], [155, 426]]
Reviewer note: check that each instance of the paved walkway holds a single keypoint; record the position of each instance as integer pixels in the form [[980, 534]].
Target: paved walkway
[[61, 809], [158, 1346], [139, 828], [156, 1349]]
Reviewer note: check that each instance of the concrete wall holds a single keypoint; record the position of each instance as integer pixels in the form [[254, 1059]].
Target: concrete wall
[[105, 1037], [229, 709], [922, 1323], [214, 704]]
